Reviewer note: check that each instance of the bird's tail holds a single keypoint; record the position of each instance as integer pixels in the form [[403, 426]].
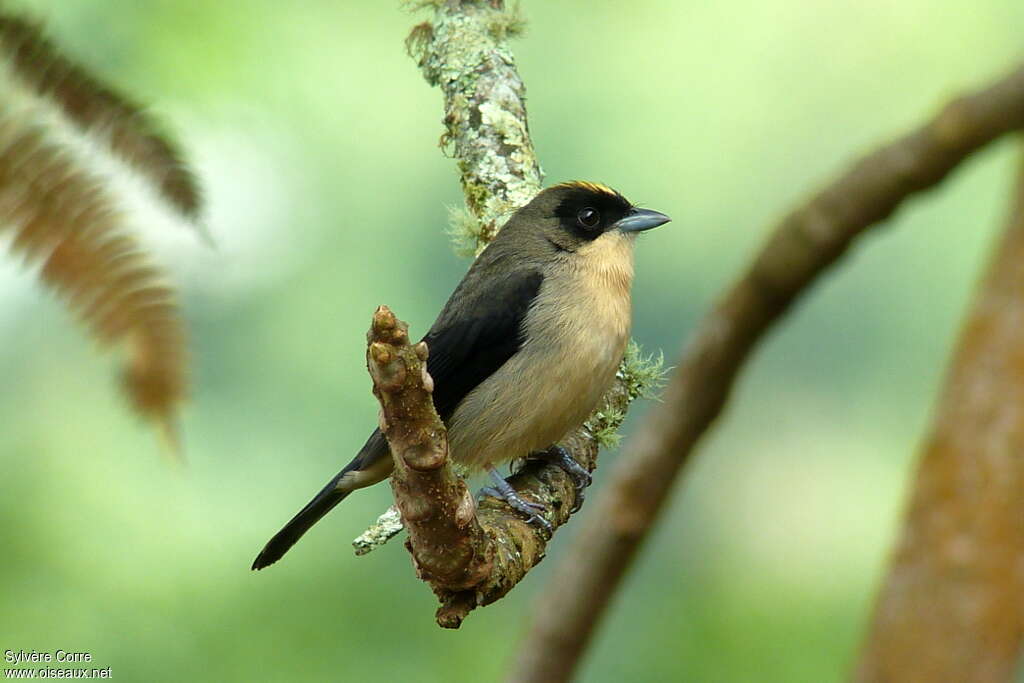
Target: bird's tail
[[371, 465]]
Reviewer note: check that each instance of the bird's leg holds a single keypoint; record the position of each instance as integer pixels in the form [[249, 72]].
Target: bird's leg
[[502, 490], [558, 456]]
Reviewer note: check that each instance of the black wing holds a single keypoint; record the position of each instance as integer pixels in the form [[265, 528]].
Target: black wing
[[478, 330]]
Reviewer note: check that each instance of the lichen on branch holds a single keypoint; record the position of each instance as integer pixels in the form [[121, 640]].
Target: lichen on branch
[[464, 51]]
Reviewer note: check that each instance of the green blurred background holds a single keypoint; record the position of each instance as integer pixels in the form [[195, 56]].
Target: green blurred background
[[316, 140]]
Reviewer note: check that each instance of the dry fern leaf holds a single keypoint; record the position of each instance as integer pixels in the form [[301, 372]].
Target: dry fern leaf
[[98, 110], [61, 210]]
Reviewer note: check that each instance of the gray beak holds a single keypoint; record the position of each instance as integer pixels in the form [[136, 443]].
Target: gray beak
[[638, 220]]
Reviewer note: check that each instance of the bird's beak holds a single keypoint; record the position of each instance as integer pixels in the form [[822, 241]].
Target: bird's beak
[[638, 220]]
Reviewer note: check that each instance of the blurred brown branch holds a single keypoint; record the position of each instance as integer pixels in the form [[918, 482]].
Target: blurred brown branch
[[802, 246], [952, 606], [469, 556]]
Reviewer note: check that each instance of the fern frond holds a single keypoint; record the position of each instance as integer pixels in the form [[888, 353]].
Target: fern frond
[[61, 210], [106, 115]]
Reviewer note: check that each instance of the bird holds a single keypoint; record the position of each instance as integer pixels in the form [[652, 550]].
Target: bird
[[524, 349]]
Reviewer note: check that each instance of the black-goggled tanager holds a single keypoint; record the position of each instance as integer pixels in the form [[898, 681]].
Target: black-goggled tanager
[[524, 349]]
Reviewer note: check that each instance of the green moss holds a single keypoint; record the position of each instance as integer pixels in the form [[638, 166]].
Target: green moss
[[604, 425], [507, 23], [476, 194], [644, 376], [465, 231]]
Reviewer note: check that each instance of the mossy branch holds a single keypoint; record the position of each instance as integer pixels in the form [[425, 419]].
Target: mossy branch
[[469, 555], [464, 51]]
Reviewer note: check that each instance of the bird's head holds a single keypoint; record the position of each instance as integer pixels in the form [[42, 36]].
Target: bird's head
[[574, 214]]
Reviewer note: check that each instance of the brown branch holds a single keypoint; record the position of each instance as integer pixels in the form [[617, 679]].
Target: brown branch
[[464, 50], [469, 556], [801, 247], [952, 606]]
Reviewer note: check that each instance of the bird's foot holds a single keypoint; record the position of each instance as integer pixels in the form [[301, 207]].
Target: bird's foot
[[558, 456], [502, 490]]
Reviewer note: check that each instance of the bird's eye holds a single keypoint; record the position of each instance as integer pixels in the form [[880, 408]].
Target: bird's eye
[[588, 217]]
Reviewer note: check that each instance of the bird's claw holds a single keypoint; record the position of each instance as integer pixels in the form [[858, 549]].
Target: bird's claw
[[502, 490], [581, 478]]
